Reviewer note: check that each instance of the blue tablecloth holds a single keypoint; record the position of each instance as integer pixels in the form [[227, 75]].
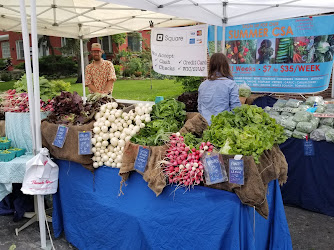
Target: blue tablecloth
[[93, 216], [310, 182]]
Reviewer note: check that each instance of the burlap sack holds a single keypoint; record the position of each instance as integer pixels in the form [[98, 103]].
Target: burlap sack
[[196, 124], [2, 128], [70, 149], [152, 175], [256, 178]]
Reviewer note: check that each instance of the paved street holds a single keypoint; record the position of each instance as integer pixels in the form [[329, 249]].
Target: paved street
[[309, 231]]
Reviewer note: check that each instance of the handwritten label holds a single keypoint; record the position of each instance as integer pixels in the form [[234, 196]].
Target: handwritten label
[[214, 170], [85, 143], [236, 168], [308, 148], [60, 136], [291, 110], [323, 115], [141, 160]]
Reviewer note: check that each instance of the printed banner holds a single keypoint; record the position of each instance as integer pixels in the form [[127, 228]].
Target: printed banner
[[287, 56], [180, 51]]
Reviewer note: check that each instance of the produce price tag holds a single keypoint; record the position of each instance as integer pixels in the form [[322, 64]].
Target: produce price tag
[[60, 136], [291, 110], [236, 169], [141, 159], [214, 170], [308, 148], [85, 143], [323, 115]]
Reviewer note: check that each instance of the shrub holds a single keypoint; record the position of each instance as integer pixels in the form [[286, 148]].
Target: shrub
[[5, 77], [3, 63], [189, 83], [117, 70], [137, 74], [20, 66], [57, 65]]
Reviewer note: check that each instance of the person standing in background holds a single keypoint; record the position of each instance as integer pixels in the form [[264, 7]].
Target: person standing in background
[[100, 74], [219, 92]]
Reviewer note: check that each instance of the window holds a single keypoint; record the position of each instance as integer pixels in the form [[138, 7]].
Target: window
[[135, 42], [63, 41], [106, 44], [19, 50], [5, 49]]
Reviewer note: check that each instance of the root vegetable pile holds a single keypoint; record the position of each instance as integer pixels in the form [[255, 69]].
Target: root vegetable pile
[[182, 165], [112, 129]]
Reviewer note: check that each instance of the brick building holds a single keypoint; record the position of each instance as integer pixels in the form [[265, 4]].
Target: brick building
[[11, 45]]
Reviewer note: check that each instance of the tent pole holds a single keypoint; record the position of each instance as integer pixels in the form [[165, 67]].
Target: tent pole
[[40, 198], [26, 50], [224, 25], [82, 70], [216, 38]]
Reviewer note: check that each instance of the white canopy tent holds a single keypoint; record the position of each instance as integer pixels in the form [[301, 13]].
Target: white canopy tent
[[83, 19]]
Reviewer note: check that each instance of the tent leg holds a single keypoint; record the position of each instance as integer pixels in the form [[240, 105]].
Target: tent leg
[[40, 198], [82, 70]]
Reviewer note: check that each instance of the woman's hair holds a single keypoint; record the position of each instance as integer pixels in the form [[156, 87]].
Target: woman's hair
[[219, 67]]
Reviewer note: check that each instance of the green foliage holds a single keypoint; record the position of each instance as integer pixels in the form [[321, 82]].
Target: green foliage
[[248, 130], [5, 76], [119, 39], [117, 69], [192, 141], [57, 65], [189, 83], [48, 89], [167, 117], [21, 65], [3, 63]]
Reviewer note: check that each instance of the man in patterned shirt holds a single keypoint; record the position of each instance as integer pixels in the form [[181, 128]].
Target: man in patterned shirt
[[100, 74]]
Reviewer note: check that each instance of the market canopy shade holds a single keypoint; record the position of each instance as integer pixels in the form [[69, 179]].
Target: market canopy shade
[[237, 11], [84, 18]]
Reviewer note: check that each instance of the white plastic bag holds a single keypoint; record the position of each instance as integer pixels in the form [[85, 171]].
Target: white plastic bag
[[41, 177], [244, 90]]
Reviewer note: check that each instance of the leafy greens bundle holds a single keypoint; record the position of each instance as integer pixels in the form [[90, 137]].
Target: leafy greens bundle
[[167, 117], [248, 130]]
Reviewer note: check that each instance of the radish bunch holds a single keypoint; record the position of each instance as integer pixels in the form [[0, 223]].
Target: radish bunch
[[112, 129], [19, 102], [182, 165]]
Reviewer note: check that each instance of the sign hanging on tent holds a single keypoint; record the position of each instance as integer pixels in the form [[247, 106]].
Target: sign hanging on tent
[[287, 56], [180, 51]]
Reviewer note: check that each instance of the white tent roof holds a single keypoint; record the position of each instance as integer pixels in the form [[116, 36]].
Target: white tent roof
[[65, 17], [92, 18], [237, 11]]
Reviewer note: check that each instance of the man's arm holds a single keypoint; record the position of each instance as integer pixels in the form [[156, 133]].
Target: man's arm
[[93, 89], [109, 86]]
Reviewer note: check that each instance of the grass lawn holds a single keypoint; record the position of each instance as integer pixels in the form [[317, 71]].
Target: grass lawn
[[127, 89]]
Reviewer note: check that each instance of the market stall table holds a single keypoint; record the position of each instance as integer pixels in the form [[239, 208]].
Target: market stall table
[[310, 178], [309, 184], [93, 215], [12, 172]]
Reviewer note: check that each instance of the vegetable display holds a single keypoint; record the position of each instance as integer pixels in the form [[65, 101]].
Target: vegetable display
[[248, 130], [48, 89], [113, 128], [182, 165], [11, 101], [297, 118], [285, 50], [167, 117]]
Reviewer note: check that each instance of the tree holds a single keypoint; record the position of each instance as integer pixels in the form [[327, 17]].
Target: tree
[[72, 47]]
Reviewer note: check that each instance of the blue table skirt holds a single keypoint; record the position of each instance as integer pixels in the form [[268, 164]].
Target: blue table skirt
[[310, 182], [93, 216]]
